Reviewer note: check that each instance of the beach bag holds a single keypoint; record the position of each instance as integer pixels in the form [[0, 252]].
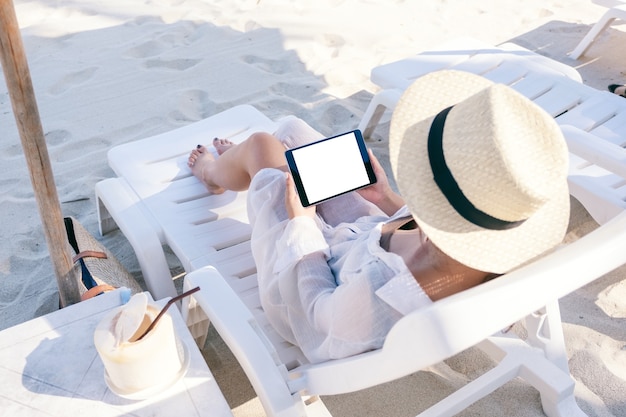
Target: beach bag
[[99, 270]]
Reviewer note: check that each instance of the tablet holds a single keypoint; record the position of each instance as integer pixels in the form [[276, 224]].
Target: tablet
[[330, 167]]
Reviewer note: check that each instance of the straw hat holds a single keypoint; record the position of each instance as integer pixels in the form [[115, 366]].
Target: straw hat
[[501, 163]]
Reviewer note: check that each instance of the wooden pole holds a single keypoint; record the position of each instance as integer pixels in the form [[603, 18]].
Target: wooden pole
[[26, 114]]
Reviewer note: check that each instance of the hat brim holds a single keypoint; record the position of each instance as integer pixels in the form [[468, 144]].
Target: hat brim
[[496, 251]]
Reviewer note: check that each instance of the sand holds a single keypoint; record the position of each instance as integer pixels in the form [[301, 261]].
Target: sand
[[106, 73]]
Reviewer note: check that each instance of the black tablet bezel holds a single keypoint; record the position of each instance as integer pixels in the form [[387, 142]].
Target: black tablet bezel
[[367, 164]]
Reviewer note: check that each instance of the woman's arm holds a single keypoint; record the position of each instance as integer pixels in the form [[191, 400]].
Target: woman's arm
[[327, 320], [332, 321]]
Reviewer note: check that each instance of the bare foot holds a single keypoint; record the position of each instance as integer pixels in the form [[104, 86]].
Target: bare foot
[[199, 160], [222, 145]]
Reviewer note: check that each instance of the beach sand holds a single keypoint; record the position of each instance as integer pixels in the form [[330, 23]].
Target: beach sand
[[107, 73]]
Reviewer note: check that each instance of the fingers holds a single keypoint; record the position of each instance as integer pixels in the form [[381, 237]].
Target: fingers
[[291, 193], [379, 171], [377, 191], [290, 203], [375, 163]]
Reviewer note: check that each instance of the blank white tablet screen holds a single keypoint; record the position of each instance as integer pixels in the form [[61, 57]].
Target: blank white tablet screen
[[330, 167]]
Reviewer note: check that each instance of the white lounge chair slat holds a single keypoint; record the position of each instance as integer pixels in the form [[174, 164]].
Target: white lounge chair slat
[[612, 130], [234, 261]]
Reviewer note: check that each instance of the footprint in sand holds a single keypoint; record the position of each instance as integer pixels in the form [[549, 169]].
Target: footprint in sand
[[303, 92], [31, 248], [172, 64], [596, 372], [12, 151], [152, 49], [146, 50], [72, 80], [57, 137], [9, 186], [71, 150], [171, 39], [193, 105], [53, 138], [268, 65], [336, 41]]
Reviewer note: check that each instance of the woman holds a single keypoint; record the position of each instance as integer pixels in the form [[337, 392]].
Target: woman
[[482, 190]]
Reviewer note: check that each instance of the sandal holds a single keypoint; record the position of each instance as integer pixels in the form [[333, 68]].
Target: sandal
[[614, 88]]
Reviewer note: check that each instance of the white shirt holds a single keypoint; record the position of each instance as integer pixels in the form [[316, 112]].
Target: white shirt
[[326, 284]]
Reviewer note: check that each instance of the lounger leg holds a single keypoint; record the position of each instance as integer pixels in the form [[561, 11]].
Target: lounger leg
[[456, 402], [196, 319], [106, 223], [599, 27], [380, 102], [555, 386], [123, 209], [371, 118], [545, 331], [256, 354], [516, 359]]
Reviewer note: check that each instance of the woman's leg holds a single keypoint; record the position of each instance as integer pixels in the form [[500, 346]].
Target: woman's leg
[[294, 132], [237, 164]]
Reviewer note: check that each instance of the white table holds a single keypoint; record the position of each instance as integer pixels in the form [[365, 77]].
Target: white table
[[49, 367]]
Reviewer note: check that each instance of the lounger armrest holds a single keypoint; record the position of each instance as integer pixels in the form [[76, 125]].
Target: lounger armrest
[[460, 321], [125, 208], [466, 318], [595, 150], [240, 331]]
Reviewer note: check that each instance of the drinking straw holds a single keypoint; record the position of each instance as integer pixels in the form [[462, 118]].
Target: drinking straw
[[164, 309]]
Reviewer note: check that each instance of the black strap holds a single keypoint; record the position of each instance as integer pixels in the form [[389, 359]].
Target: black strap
[[71, 236], [448, 185], [88, 280]]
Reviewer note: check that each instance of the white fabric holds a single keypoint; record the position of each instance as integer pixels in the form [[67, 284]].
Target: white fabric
[[327, 285]]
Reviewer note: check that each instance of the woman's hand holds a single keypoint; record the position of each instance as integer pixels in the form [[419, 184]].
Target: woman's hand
[[377, 191], [381, 193], [292, 201]]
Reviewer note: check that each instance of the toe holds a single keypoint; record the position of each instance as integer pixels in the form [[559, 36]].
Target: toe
[[194, 154]]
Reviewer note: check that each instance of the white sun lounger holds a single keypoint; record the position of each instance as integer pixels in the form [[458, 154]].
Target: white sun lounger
[[592, 119], [530, 73], [285, 383], [288, 386], [156, 201], [616, 12]]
